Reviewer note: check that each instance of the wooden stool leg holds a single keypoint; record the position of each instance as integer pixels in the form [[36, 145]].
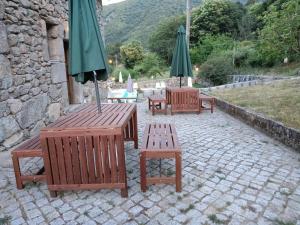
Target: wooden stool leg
[[17, 170], [124, 191], [53, 194], [149, 105], [143, 172], [178, 172]]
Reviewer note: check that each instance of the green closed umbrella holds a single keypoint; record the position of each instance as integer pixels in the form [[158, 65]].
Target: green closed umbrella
[[87, 58], [181, 62]]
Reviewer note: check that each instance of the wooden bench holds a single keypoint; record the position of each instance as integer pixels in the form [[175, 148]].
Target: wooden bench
[[155, 103], [30, 148], [206, 98], [183, 99], [160, 141]]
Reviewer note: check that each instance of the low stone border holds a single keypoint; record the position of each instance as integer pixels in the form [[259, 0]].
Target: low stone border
[[286, 135]]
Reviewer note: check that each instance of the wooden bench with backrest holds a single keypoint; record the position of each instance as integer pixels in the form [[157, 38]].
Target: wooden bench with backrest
[[28, 149], [160, 141], [183, 99]]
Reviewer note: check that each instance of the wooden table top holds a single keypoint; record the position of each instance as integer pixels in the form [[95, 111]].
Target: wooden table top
[[157, 97], [87, 117], [181, 89]]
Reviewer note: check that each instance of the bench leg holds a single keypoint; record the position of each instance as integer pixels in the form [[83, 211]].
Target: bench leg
[[53, 194], [17, 170], [178, 172], [143, 172], [212, 106]]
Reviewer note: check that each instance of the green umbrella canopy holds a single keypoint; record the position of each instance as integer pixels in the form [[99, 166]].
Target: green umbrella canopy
[[87, 53], [181, 62]]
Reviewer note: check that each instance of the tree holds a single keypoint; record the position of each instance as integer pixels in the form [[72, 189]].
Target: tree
[[162, 40], [150, 66], [280, 36], [131, 54], [216, 17], [210, 44]]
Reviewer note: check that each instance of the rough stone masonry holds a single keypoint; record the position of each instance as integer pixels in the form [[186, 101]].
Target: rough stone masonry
[[33, 78]]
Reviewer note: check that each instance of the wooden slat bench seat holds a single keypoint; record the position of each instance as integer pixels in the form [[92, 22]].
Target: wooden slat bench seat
[[160, 141], [30, 148], [209, 99]]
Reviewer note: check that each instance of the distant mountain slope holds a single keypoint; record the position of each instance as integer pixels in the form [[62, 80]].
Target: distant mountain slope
[[136, 19]]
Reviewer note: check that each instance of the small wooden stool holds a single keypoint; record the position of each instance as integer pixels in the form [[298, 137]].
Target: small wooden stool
[[160, 142], [155, 103], [209, 99]]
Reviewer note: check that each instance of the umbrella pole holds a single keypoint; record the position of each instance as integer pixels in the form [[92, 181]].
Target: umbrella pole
[[180, 82], [97, 92]]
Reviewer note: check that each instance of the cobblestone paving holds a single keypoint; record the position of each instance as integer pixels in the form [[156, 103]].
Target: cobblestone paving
[[232, 174]]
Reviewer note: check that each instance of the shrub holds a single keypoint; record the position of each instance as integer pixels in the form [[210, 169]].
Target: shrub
[[131, 54], [217, 69], [210, 44], [150, 66]]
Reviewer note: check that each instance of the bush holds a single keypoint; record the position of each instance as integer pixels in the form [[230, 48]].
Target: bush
[[217, 69], [210, 44], [150, 66], [131, 54]]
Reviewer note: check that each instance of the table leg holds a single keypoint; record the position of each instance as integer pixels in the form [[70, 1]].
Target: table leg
[[17, 172], [135, 131], [143, 172], [178, 172]]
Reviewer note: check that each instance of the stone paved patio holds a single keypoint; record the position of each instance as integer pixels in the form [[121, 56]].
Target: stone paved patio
[[232, 174]]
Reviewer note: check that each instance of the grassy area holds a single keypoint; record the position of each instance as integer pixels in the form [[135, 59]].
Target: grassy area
[[279, 101], [290, 69]]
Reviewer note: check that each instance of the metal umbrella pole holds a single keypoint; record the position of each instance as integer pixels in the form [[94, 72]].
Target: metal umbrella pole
[[97, 92]]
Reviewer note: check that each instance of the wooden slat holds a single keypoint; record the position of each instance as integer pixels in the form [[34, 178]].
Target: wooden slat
[[98, 159], [106, 167], [68, 159], [53, 160], [146, 136], [60, 160], [113, 161], [75, 161], [121, 159], [83, 159], [90, 159]]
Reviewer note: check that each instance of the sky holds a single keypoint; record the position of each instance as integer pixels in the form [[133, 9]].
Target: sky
[[107, 2]]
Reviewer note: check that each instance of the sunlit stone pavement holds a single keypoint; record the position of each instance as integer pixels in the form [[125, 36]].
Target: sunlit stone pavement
[[232, 174]]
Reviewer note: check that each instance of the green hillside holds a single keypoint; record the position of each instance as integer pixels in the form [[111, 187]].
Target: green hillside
[[136, 19]]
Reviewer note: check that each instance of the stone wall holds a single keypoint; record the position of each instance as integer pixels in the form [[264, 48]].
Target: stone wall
[[33, 84], [277, 130]]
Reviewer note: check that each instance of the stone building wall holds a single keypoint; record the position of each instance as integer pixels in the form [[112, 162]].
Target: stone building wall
[[33, 80], [32, 67]]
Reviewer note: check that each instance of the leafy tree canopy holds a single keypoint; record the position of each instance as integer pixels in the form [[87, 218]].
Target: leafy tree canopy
[[131, 54], [163, 40], [280, 36], [216, 17]]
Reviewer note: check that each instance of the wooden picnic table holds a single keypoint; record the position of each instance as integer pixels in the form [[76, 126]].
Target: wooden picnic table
[[85, 150], [185, 99]]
